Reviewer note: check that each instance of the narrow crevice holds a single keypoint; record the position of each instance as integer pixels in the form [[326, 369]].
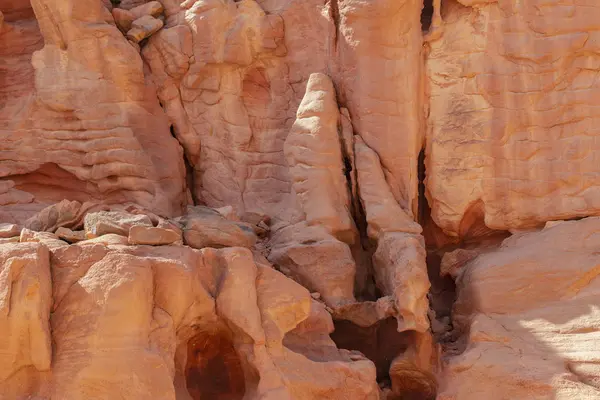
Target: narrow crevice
[[442, 292], [362, 251], [335, 16], [422, 204], [426, 15], [190, 179], [442, 296], [364, 258]]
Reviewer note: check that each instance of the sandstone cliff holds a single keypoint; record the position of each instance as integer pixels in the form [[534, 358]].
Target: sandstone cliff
[[299, 199]]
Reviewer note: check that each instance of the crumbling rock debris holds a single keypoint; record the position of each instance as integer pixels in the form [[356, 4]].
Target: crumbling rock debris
[[116, 222], [204, 227], [9, 230], [70, 236]]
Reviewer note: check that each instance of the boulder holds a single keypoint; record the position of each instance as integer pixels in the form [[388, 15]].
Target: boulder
[[154, 236], [117, 222], [204, 227], [9, 230], [151, 8], [143, 28]]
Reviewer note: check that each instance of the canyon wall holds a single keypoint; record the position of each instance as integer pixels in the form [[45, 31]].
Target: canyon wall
[[299, 199]]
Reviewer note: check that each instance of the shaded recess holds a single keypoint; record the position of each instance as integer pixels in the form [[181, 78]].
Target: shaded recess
[[190, 178], [426, 15], [50, 183], [214, 370], [380, 342]]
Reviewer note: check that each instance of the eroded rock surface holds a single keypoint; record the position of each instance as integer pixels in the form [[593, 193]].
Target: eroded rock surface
[[161, 306], [528, 320], [79, 120], [511, 134], [254, 199]]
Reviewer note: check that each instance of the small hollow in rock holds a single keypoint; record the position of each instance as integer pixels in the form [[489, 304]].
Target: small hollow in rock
[[426, 15], [380, 342], [214, 370]]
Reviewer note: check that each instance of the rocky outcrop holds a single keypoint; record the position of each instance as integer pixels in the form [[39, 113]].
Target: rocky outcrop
[[160, 305], [510, 129], [525, 316], [297, 199], [25, 304], [241, 68], [84, 126]]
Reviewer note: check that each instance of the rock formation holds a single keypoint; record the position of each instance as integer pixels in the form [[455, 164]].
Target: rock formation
[[526, 312], [298, 199]]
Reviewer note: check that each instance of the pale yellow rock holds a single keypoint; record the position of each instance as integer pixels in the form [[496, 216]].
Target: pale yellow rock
[[143, 28], [9, 230], [152, 8], [69, 235], [153, 235]]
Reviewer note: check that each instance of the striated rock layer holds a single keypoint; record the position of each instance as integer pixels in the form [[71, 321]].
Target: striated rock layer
[[84, 123]]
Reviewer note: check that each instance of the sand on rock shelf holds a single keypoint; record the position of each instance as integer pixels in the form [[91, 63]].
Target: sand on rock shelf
[[299, 199]]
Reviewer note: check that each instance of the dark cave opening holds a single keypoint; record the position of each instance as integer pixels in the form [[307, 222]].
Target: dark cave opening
[[426, 15], [214, 370], [380, 342], [422, 209], [390, 351]]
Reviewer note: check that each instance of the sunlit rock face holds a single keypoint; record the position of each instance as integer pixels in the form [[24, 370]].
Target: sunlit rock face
[[288, 199], [527, 316], [513, 100]]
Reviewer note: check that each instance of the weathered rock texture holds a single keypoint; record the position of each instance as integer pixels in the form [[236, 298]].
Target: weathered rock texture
[[271, 199], [78, 120], [144, 314], [240, 69], [528, 316], [511, 131]]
